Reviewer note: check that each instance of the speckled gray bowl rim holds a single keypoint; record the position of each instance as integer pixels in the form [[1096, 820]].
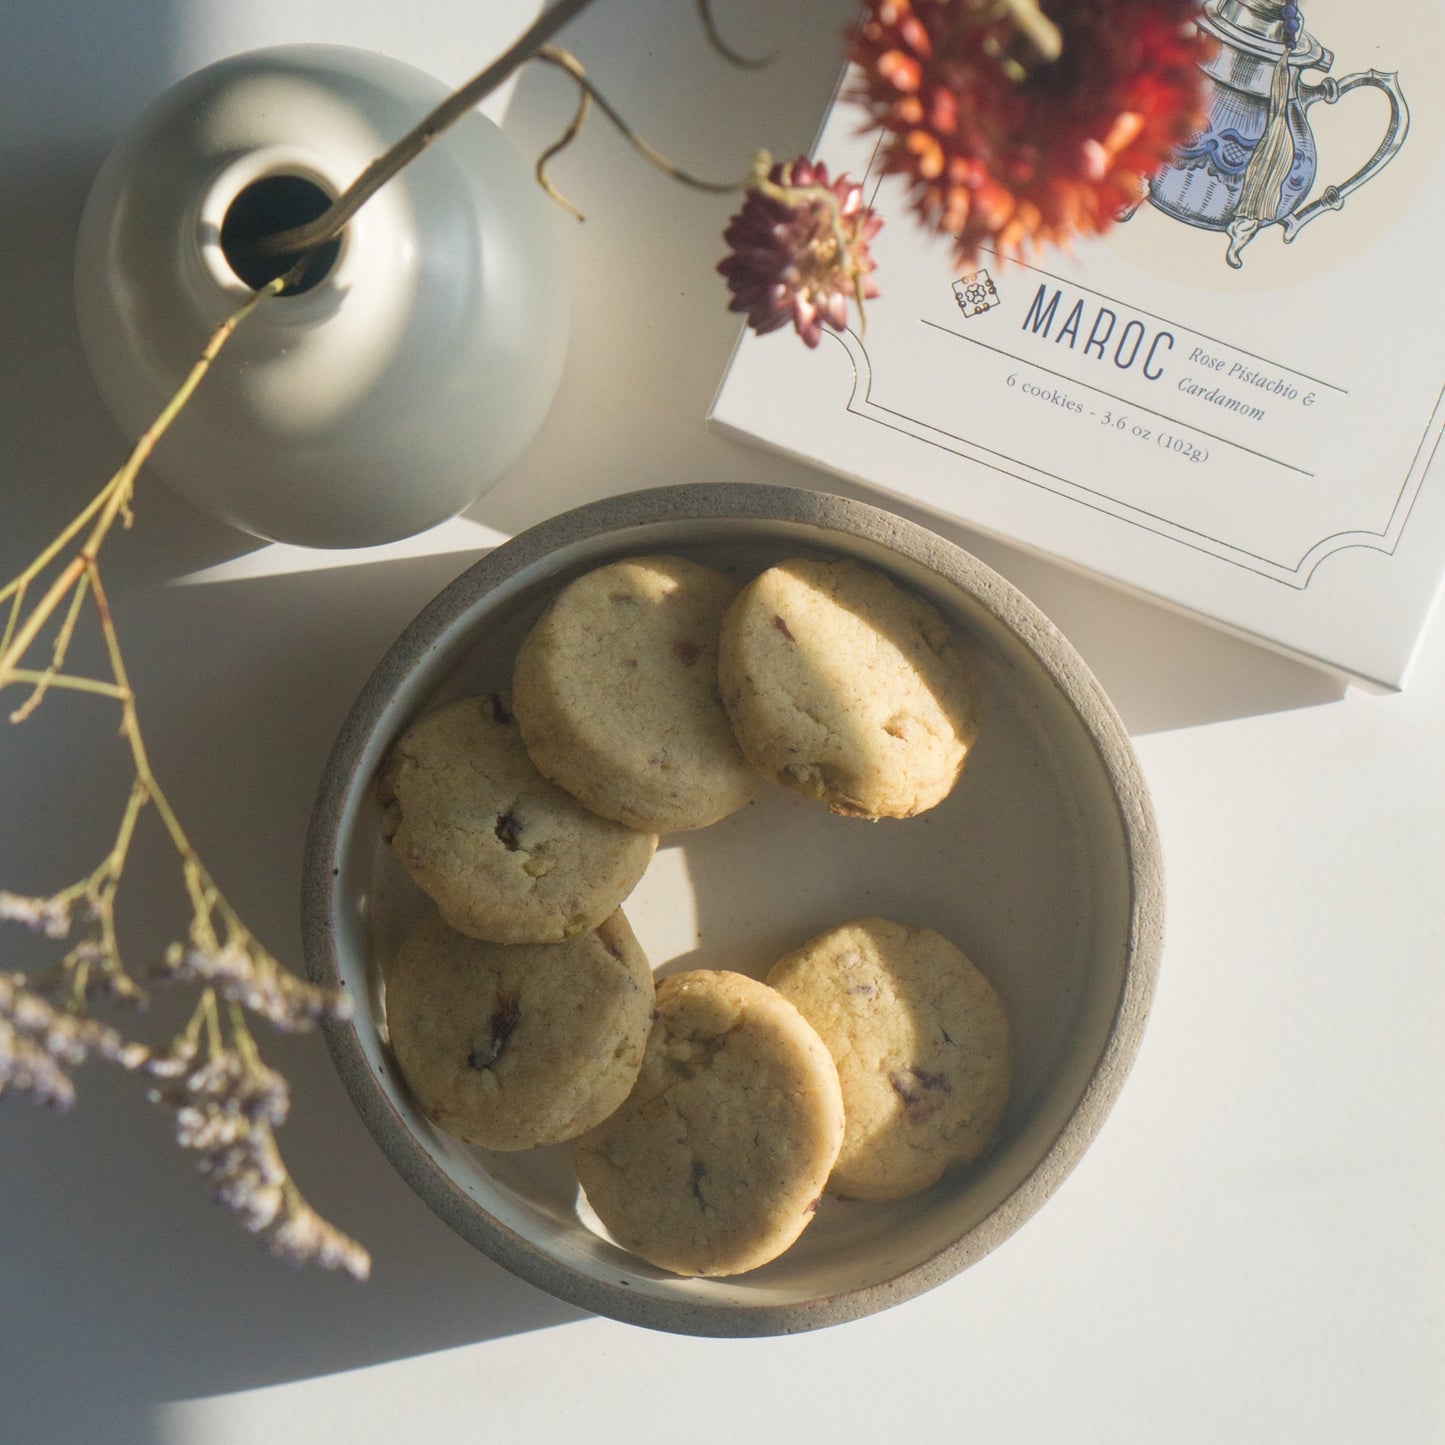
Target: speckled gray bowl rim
[[742, 502]]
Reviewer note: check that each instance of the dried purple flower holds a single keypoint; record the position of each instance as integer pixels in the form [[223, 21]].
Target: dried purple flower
[[244, 973], [47, 916], [303, 1237], [31, 1070], [230, 1083], [227, 1110], [799, 249], [39, 1043], [249, 1178], [176, 1060]]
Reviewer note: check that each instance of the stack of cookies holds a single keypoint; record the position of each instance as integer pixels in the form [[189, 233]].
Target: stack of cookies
[[707, 1116]]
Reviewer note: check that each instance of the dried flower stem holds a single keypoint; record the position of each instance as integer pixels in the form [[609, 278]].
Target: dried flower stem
[[112, 501], [565, 61], [532, 45], [587, 94], [330, 223], [227, 1109], [574, 129], [50, 678], [714, 38]]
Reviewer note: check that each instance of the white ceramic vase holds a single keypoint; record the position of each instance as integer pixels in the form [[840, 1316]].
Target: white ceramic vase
[[394, 391]]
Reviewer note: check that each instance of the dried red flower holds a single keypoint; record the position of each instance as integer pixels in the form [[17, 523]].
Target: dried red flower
[[799, 249], [1002, 144]]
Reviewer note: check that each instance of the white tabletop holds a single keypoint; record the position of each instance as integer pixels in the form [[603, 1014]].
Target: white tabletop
[[1250, 1252]]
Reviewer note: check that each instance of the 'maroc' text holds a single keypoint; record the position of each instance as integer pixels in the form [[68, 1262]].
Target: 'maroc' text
[[1096, 332]]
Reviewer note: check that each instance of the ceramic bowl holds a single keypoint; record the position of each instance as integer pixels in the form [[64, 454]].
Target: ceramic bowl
[[1042, 865]]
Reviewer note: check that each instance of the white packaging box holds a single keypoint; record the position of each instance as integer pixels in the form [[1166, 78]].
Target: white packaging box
[[1258, 445]]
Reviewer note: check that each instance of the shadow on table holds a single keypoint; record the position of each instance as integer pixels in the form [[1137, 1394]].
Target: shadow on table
[[121, 1288], [1162, 671]]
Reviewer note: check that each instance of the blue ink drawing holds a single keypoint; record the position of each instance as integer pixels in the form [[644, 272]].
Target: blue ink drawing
[[1255, 161]]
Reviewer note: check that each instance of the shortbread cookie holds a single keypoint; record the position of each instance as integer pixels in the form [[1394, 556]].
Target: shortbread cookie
[[716, 1162], [515, 1046], [848, 689], [616, 692], [921, 1041], [504, 854]]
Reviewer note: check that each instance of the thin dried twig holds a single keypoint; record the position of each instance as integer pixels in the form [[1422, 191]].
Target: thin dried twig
[[584, 105], [565, 61], [330, 223], [714, 38], [112, 501]]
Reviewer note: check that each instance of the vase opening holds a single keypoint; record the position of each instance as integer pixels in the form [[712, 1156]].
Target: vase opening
[[275, 203]]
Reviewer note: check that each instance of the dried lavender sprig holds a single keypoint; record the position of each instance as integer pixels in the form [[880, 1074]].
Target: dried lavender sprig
[[39, 1044], [30, 1070], [227, 1114], [175, 1061], [247, 1182], [93, 965], [226, 1110], [302, 1236], [49, 917], [231, 1083], [244, 973]]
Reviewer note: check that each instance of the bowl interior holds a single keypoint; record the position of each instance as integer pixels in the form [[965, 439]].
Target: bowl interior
[[1030, 866]]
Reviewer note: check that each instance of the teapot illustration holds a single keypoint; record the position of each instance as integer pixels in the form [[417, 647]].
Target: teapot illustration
[[1255, 161]]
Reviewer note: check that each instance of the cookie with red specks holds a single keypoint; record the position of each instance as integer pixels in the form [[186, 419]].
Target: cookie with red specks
[[716, 1162], [922, 1045], [615, 689], [513, 1046], [504, 854], [848, 689]]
